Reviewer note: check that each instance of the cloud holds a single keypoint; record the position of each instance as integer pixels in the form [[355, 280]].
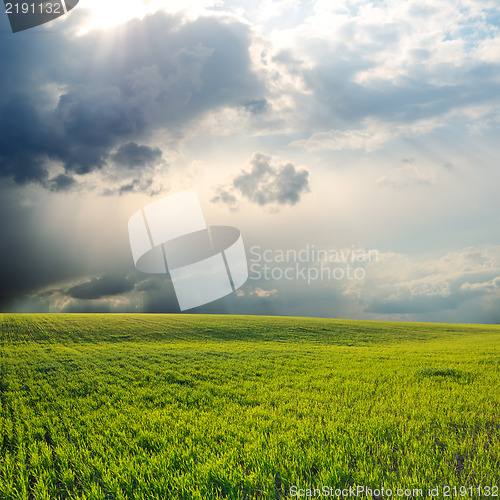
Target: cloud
[[225, 196], [372, 134], [62, 182], [453, 287], [266, 183], [367, 73], [24, 142], [485, 286], [125, 291], [264, 294], [136, 169], [409, 175], [132, 155], [101, 287], [256, 106], [338, 140], [159, 73], [398, 284], [259, 292]]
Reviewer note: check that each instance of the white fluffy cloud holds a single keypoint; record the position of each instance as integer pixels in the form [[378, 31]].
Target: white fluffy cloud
[[402, 284]]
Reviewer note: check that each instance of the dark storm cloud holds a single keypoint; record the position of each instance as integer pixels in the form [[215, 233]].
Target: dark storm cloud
[[23, 141], [119, 86], [118, 292], [267, 183], [155, 294], [101, 287], [133, 155], [148, 284], [93, 122]]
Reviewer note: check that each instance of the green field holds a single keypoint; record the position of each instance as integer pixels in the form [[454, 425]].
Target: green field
[[245, 407]]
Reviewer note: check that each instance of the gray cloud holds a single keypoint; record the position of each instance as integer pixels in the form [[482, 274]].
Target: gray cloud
[[159, 72], [225, 196], [133, 155], [101, 287], [133, 292], [256, 106], [62, 182], [397, 74], [24, 141], [126, 291], [454, 294], [266, 183]]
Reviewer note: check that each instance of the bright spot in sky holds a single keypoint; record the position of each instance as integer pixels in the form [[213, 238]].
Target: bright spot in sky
[[105, 14]]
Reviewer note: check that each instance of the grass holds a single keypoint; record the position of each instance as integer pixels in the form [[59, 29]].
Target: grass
[[244, 407]]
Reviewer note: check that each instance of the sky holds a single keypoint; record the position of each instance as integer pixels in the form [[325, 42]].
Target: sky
[[353, 143]]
